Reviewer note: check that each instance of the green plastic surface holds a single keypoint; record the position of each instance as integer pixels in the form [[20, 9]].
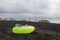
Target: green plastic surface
[[23, 29]]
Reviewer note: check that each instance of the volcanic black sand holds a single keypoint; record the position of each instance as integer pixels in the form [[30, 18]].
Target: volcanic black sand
[[44, 31]]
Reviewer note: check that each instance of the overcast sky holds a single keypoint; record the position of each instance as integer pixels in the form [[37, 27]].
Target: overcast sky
[[35, 8]]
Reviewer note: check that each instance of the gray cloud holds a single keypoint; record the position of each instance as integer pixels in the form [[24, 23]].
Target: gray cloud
[[23, 5], [40, 8]]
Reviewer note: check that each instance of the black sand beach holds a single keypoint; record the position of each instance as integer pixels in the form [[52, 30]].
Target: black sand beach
[[44, 31]]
